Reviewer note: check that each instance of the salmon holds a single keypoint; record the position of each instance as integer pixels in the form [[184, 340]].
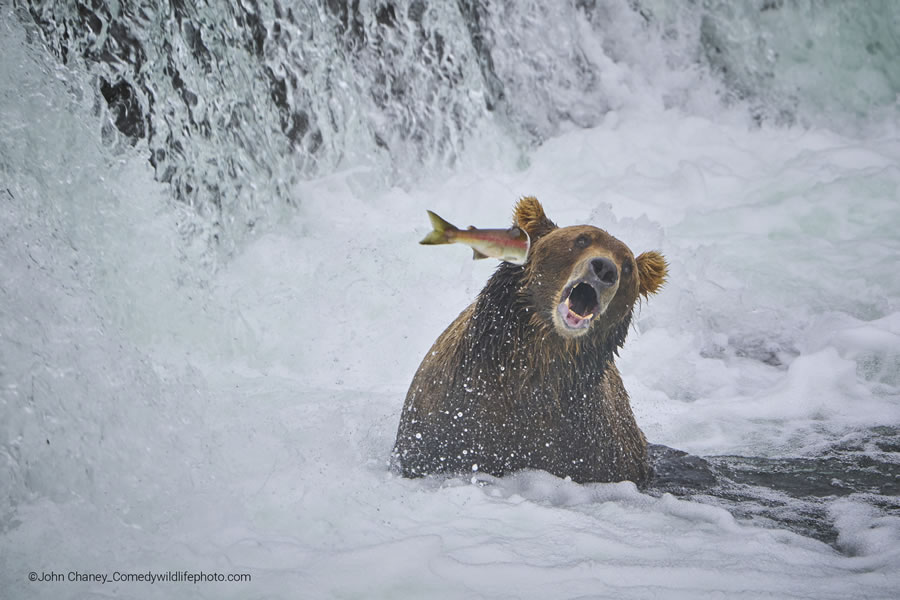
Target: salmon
[[510, 245]]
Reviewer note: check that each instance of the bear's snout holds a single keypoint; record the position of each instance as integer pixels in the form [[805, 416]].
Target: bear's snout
[[605, 270]]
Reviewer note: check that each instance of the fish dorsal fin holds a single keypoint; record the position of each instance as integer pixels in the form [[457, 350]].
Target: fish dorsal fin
[[470, 228], [476, 255]]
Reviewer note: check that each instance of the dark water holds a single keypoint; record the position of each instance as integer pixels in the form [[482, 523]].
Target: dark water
[[792, 493]]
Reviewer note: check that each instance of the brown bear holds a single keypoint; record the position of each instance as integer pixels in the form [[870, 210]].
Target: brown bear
[[525, 377]]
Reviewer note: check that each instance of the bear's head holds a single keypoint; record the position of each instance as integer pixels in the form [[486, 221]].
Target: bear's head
[[581, 281]]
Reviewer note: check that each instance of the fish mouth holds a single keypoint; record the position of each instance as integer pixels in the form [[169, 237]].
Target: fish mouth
[[580, 304]]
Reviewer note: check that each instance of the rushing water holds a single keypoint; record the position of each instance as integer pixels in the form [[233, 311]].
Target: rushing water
[[212, 300]]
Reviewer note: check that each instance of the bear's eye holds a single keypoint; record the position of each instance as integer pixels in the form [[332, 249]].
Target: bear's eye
[[582, 241], [627, 267]]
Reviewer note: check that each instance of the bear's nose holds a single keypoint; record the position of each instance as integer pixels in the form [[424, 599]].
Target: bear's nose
[[605, 270]]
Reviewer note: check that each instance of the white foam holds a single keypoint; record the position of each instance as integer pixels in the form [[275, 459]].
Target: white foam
[[864, 532]]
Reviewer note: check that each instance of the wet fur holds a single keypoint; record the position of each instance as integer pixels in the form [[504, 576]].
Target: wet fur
[[501, 390]]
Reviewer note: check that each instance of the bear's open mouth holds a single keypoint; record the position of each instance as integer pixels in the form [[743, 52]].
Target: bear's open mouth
[[580, 304]]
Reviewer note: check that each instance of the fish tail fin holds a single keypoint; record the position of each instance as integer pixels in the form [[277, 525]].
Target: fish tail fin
[[439, 235]]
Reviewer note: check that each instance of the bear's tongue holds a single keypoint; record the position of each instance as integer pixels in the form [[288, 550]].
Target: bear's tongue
[[572, 319]]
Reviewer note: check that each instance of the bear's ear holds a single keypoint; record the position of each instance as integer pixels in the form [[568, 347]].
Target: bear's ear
[[652, 270], [529, 215]]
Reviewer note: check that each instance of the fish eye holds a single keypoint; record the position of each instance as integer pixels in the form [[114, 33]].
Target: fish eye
[[582, 241]]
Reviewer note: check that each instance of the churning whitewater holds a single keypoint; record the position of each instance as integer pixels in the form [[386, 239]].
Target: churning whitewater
[[213, 297]]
